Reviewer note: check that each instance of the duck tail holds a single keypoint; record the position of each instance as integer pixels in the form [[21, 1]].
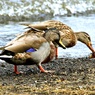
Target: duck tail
[[1, 48], [31, 27], [5, 56], [38, 27], [25, 24]]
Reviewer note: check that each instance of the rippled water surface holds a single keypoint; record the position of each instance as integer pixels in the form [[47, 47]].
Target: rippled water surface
[[44, 9], [78, 14]]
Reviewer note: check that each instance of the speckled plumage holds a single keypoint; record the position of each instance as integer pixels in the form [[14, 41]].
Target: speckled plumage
[[42, 43], [68, 36]]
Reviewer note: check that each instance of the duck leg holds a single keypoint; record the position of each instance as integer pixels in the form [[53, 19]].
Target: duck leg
[[56, 53], [43, 70], [16, 70]]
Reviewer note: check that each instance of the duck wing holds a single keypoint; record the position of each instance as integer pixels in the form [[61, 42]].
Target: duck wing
[[48, 24], [25, 41]]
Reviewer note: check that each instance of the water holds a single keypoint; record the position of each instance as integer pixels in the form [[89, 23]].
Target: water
[[43, 9], [78, 14]]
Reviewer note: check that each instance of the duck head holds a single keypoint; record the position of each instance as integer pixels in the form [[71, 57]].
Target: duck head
[[53, 35], [85, 38]]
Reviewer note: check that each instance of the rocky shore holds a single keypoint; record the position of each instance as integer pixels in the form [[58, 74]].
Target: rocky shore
[[72, 76]]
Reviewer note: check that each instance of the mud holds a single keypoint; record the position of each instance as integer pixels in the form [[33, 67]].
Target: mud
[[71, 77]]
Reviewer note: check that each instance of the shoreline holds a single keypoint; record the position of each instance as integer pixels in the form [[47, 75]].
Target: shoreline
[[71, 76]]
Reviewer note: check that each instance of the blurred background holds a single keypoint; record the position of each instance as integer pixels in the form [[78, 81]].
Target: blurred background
[[78, 14]]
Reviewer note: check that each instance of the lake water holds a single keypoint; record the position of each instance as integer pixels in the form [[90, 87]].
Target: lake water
[[78, 14]]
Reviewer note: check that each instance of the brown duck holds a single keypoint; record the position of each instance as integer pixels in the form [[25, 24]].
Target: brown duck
[[44, 44], [68, 36]]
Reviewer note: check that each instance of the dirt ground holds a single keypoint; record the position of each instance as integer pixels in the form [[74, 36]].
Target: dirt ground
[[71, 77]]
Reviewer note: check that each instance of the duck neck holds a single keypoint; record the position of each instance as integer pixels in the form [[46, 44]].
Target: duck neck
[[80, 37]]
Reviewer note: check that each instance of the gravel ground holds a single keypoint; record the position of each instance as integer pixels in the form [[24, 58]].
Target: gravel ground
[[71, 77]]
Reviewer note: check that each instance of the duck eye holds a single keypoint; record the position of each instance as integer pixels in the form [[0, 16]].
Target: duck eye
[[88, 36]]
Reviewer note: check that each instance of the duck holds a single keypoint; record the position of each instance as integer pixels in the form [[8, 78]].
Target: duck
[[65, 31], [16, 52], [68, 36]]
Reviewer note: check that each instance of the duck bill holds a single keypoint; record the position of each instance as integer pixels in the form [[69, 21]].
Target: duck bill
[[92, 55], [90, 47], [61, 44]]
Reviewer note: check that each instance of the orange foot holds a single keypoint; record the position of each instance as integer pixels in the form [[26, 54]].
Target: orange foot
[[45, 71]]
